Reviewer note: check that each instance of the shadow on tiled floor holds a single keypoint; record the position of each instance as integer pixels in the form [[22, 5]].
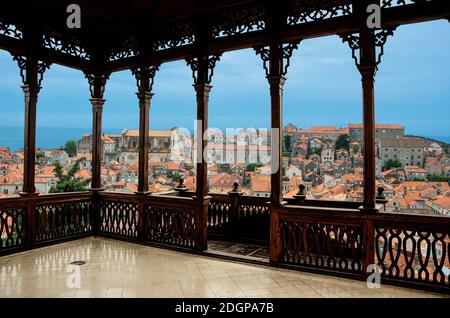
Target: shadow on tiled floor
[[255, 251]]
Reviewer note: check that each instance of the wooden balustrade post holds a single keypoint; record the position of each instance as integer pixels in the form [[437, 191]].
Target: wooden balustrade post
[[201, 223], [275, 236], [141, 225], [180, 188], [301, 195], [368, 246], [31, 220], [233, 213]]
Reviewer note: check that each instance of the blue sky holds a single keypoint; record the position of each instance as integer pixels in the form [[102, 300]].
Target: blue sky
[[323, 88]]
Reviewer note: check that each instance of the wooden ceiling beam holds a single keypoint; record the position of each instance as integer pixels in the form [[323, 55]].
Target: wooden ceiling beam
[[395, 16], [18, 47]]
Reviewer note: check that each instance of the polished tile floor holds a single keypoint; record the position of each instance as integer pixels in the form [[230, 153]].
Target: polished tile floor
[[118, 269]]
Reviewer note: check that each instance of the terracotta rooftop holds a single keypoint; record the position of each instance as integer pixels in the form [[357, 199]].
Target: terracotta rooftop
[[405, 142], [377, 126]]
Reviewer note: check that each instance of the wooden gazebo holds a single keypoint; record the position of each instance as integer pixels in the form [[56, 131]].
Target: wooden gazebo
[[341, 238]]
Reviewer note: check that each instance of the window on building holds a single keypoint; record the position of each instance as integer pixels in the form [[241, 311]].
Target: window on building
[[5, 191]]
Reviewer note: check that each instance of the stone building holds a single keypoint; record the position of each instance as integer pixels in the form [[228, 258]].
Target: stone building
[[408, 150], [356, 132], [327, 155]]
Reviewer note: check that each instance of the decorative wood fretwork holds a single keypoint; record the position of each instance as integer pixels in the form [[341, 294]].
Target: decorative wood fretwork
[[12, 227], [218, 215], [42, 66], [408, 253], [395, 3], [301, 11], [210, 60], [127, 50], [58, 220], [10, 30], [335, 247], [118, 218], [286, 49], [173, 36], [380, 38], [97, 84], [171, 226], [145, 76], [65, 44], [239, 22]]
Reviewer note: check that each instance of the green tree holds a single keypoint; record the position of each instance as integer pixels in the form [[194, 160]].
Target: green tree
[[253, 166], [446, 148], [69, 182], [392, 163], [342, 142], [355, 148], [438, 178], [70, 147], [174, 176]]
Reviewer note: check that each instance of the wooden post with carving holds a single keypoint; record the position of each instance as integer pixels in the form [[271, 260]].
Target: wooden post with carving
[[97, 83], [276, 60], [233, 213], [202, 66]]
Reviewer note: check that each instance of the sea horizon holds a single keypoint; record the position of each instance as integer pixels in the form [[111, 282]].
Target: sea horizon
[[55, 137]]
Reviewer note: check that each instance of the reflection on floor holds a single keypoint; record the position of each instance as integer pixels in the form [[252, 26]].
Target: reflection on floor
[[120, 269], [240, 250]]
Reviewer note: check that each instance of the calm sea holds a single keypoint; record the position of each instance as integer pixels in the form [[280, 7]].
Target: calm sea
[[55, 137], [46, 137]]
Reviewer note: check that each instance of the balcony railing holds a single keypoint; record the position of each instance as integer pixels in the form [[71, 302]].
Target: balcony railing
[[334, 238]]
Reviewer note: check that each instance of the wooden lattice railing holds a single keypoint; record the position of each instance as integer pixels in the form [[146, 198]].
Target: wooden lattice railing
[[318, 238], [410, 249], [413, 248], [65, 215], [13, 226], [161, 219]]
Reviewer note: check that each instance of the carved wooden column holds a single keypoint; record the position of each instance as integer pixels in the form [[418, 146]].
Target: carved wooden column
[[367, 42], [367, 68], [97, 83], [144, 77], [276, 60], [32, 72], [202, 72]]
